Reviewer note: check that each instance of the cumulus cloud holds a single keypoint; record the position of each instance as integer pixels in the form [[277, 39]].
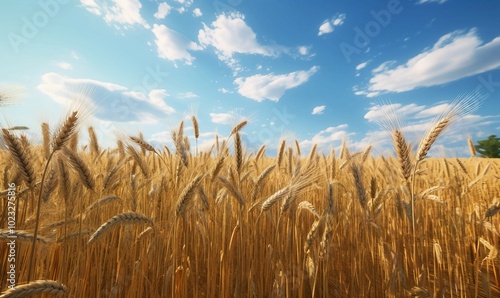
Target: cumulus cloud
[[361, 65], [454, 56], [65, 65], [328, 138], [111, 102], [119, 13], [222, 118], [260, 87], [229, 34], [303, 50], [318, 110], [415, 120], [163, 10], [197, 12], [173, 46], [329, 25]]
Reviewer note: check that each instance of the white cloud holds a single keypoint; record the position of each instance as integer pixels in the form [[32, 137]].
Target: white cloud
[[303, 50], [186, 95], [65, 65], [328, 138], [163, 10], [318, 110], [120, 13], [229, 34], [222, 118], [454, 56], [172, 45], [378, 113], [272, 87], [431, 1], [433, 111], [111, 102], [361, 65], [224, 90], [197, 12], [325, 28], [329, 25], [415, 120]]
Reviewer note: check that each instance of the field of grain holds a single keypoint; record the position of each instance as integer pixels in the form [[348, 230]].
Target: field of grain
[[139, 221]]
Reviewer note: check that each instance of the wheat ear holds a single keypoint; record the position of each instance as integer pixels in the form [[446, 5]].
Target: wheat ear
[[235, 192], [238, 127], [472, 148], [402, 152], [260, 180], [196, 129], [138, 160], [80, 167], [123, 218], [187, 194], [65, 132], [280, 152], [34, 288], [94, 144], [21, 156], [46, 139], [216, 169], [238, 152], [143, 144], [22, 236]]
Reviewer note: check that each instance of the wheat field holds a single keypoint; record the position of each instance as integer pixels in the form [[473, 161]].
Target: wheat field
[[140, 221]]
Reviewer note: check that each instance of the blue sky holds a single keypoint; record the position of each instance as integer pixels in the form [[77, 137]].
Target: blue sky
[[316, 71]]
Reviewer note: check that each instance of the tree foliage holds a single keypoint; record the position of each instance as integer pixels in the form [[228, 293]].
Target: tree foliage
[[489, 147]]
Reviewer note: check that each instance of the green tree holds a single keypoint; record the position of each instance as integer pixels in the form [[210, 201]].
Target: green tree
[[489, 147]]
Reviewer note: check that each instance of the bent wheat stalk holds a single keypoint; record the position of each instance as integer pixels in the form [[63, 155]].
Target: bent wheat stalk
[[62, 137]]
